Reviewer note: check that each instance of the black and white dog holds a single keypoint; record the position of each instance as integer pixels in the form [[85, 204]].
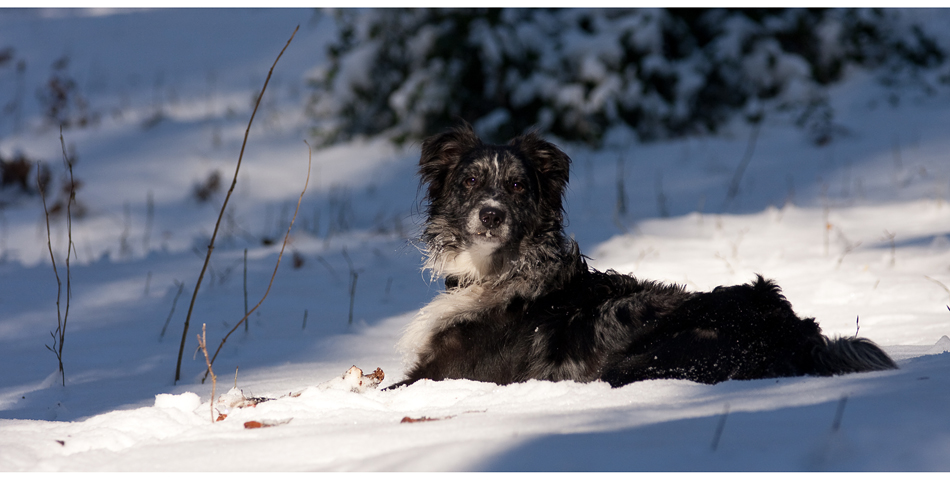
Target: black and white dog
[[521, 303]]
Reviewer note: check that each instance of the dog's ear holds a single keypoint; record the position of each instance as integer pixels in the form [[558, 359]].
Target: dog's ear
[[446, 148], [552, 164], [442, 151]]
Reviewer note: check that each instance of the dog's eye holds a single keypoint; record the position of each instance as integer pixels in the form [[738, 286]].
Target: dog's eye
[[471, 182], [517, 187]]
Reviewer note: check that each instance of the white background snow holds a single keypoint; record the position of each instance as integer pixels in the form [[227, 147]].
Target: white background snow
[[857, 232]]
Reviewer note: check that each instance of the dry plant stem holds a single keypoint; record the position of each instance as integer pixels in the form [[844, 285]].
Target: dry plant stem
[[938, 282], [621, 207], [149, 221], [740, 170], [69, 243], [60, 337], [181, 287], [70, 248], [245, 289], [191, 306], [59, 283], [273, 275], [354, 275], [661, 204], [203, 345]]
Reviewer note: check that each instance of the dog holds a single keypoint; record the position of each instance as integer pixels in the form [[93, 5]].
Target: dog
[[521, 303]]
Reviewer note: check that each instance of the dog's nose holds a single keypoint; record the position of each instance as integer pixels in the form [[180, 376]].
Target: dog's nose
[[491, 217]]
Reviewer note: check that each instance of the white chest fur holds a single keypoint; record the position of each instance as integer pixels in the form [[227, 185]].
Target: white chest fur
[[443, 311]]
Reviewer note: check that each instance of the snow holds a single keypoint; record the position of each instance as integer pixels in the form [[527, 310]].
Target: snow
[[857, 232]]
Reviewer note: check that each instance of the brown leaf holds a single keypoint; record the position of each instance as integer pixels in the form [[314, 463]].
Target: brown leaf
[[422, 419], [266, 423], [378, 375]]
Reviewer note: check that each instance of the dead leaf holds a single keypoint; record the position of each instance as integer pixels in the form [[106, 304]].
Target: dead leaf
[[422, 419], [265, 423], [377, 375]]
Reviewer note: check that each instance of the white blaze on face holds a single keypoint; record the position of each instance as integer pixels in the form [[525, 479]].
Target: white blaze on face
[[496, 165]]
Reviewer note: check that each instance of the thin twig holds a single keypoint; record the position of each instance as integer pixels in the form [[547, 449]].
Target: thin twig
[[354, 275], [740, 170], [328, 267], [938, 282], [245, 290], [149, 221], [217, 224], [848, 248], [60, 337], [59, 283], [181, 287], [148, 283], [279, 256], [890, 238], [661, 206], [124, 248], [621, 207], [69, 247], [203, 345]]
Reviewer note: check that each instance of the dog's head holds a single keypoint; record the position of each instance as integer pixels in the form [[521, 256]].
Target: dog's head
[[490, 205]]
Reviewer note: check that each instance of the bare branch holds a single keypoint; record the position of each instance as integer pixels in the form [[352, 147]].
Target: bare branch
[[938, 282], [279, 256], [354, 275], [740, 169], [203, 345], [59, 283], [181, 287], [217, 224], [69, 246]]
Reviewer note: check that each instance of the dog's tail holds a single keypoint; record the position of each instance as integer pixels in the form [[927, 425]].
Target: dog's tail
[[850, 355]]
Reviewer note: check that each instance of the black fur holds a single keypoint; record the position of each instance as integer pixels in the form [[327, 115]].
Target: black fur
[[521, 302]]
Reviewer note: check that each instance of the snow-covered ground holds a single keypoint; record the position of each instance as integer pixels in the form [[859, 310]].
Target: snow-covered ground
[[857, 232]]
